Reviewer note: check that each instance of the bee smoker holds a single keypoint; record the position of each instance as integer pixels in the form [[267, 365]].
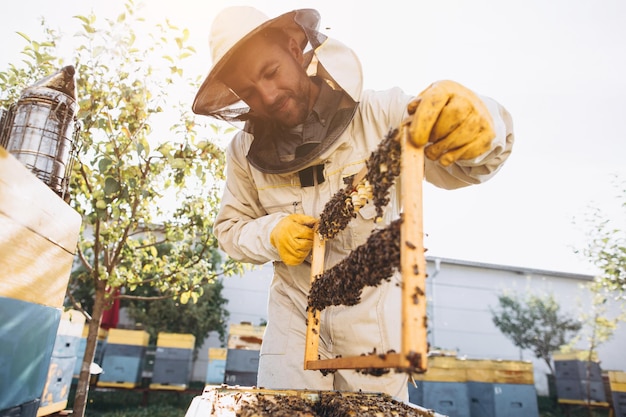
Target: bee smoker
[[40, 130]]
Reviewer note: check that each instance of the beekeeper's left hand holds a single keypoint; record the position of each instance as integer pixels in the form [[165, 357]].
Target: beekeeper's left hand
[[452, 121]]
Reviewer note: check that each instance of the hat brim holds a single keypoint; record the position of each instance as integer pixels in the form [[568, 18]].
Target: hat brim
[[213, 94]]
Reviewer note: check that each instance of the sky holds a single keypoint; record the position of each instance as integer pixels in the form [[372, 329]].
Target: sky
[[559, 67]]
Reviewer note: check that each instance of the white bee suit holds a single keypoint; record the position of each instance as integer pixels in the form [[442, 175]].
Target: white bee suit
[[254, 202]]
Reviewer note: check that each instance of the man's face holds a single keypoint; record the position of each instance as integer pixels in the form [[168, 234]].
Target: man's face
[[271, 80]]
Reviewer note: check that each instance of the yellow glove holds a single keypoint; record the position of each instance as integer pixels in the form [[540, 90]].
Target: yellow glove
[[293, 238], [453, 119]]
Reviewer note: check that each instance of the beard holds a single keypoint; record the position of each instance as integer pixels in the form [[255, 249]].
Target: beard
[[295, 112]]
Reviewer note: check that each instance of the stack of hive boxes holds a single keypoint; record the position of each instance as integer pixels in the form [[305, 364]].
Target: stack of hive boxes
[[578, 378], [216, 367], [173, 361], [476, 388], [242, 358], [617, 382], [64, 355], [38, 236], [501, 388], [123, 360]]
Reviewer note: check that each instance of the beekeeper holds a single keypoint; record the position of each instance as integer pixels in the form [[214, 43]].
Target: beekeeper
[[306, 124]]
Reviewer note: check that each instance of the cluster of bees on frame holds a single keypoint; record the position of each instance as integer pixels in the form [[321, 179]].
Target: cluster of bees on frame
[[363, 268], [383, 167]]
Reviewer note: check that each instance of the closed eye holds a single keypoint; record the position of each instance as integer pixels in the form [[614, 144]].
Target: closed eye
[[273, 72]]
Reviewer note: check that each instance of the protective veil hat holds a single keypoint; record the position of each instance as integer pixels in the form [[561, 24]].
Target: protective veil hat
[[233, 26]]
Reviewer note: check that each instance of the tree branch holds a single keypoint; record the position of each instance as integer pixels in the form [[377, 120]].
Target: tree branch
[[83, 260], [85, 177], [77, 305], [151, 244], [143, 298]]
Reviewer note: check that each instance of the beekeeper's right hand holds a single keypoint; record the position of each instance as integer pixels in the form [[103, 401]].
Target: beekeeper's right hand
[[293, 238]]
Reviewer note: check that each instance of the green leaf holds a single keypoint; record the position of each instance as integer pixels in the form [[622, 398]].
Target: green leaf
[[82, 18], [111, 186], [178, 163], [103, 164], [184, 297], [88, 28], [23, 35]]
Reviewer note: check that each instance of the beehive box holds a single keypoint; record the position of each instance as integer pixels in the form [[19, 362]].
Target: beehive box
[[442, 387], [82, 345], [38, 236], [575, 355], [500, 371], [476, 387], [123, 358], [450, 398], [576, 369], [245, 336], [27, 337], [173, 361], [56, 391], [216, 366], [242, 366], [578, 377], [61, 370], [241, 402], [617, 382]]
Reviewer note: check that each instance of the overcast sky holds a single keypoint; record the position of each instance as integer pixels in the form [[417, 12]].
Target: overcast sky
[[558, 66]]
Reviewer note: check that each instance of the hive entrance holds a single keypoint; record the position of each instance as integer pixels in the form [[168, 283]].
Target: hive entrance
[[412, 356]]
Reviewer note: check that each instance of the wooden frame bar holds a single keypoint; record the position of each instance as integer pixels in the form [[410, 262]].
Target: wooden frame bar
[[414, 345]]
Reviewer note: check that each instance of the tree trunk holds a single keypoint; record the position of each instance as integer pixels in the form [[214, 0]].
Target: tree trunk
[[82, 388], [552, 393]]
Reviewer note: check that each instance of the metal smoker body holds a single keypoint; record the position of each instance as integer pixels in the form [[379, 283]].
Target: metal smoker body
[[40, 129]]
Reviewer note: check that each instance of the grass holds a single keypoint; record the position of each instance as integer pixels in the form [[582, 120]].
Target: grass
[[137, 403]]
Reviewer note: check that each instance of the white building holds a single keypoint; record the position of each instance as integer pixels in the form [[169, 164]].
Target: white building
[[461, 295]]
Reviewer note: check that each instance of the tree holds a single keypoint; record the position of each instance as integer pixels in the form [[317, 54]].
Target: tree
[[534, 323], [135, 188], [606, 243], [599, 323], [606, 249], [198, 319]]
